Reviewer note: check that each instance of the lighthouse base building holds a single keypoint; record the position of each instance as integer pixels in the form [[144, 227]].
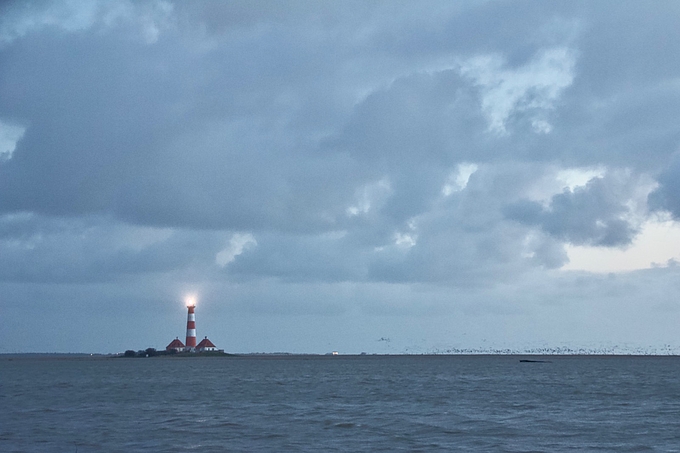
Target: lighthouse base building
[[175, 345], [205, 345]]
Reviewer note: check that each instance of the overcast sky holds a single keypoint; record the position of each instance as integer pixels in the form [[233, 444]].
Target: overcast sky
[[352, 176]]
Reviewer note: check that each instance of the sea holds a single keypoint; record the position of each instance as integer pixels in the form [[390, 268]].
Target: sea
[[367, 403]]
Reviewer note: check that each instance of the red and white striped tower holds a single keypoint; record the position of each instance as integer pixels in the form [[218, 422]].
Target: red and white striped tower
[[191, 326]]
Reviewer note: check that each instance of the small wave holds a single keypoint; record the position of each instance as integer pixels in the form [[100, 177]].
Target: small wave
[[345, 425]]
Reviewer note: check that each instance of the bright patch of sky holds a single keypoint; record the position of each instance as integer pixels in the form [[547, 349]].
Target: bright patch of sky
[[405, 240], [10, 134], [458, 179], [570, 178], [532, 88], [369, 196], [70, 15], [74, 15], [657, 245], [238, 243], [555, 180]]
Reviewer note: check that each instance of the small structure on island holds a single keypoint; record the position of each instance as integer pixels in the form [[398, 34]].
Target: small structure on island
[[205, 345], [175, 345]]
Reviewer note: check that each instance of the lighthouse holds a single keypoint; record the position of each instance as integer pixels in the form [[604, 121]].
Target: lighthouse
[[191, 326], [205, 346]]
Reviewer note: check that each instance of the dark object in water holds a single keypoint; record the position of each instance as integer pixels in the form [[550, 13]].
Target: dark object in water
[[533, 361]]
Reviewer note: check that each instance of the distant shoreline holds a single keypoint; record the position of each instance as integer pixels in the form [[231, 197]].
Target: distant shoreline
[[76, 355]]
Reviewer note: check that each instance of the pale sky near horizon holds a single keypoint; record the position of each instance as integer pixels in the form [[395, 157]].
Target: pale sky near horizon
[[360, 176]]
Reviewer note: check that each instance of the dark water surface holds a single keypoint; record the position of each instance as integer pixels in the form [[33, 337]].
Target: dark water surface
[[318, 403]]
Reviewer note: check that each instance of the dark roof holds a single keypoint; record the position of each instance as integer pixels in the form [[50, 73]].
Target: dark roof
[[205, 343], [174, 344]]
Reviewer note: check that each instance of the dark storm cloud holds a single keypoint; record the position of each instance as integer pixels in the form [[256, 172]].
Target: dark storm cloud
[[135, 158], [666, 197], [464, 240], [590, 215], [169, 133], [436, 243], [164, 134]]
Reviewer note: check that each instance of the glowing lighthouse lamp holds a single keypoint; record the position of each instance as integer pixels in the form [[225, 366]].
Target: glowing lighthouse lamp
[[191, 324]]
